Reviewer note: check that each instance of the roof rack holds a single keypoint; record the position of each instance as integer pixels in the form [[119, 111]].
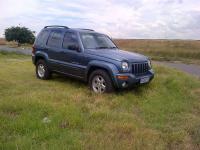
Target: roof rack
[[56, 26], [86, 29]]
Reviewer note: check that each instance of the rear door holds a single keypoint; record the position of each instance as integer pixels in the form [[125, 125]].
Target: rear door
[[54, 49]]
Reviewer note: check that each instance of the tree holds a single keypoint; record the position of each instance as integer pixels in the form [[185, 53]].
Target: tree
[[20, 35]]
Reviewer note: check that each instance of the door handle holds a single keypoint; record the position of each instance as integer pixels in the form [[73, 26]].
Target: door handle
[[74, 62]]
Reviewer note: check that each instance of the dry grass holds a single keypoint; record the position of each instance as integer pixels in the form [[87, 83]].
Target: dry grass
[[14, 44], [2, 41], [163, 49], [9, 44]]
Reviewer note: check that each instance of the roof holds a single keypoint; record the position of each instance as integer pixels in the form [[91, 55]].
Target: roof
[[67, 28]]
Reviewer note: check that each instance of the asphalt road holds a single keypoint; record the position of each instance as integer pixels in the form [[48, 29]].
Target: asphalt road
[[21, 51], [188, 68]]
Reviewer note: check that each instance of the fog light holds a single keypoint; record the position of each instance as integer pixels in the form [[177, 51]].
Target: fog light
[[124, 84]]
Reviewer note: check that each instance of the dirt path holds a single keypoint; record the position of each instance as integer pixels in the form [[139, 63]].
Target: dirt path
[[188, 68]]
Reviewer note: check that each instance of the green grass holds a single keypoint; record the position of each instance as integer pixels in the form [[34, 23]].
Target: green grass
[[183, 50], [161, 115]]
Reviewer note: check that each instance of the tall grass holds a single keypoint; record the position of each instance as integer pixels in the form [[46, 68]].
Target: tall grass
[[2, 41], [14, 44], [166, 49]]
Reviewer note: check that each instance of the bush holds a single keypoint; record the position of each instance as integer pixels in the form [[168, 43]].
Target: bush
[[19, 34]]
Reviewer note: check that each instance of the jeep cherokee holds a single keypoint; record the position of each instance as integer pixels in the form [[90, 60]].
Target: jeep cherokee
[[89, 56]]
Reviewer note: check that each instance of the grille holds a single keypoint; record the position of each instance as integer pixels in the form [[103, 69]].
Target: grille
[[140, 68]]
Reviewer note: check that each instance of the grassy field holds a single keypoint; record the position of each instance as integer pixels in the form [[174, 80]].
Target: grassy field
[[64, 114], [173, 50], [184, 50]]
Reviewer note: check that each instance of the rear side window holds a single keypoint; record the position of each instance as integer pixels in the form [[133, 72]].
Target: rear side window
[[42, 38], [70, 41], [55, 39]]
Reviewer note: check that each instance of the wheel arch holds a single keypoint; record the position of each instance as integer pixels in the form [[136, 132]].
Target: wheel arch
[[40, 55], [111, 69]]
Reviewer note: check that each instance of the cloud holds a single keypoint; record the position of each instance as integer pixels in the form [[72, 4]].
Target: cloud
[[117, 18]]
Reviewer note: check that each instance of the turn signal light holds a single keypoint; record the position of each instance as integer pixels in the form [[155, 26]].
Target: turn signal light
[[33, 49], [122, 77]]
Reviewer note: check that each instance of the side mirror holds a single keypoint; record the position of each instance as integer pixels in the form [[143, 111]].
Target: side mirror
[[74, 47]]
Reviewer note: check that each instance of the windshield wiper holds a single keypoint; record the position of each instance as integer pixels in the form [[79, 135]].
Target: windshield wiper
[[101, 47], [104, 47]]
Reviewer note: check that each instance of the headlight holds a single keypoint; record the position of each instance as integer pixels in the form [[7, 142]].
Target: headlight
[[149, 63], [125, 66]]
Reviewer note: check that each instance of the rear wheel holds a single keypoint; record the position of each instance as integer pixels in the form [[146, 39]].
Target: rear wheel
[[42, 71], [100, 82]]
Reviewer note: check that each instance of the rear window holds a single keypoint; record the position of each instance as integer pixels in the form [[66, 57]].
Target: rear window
[[42, 38], [55, 39]]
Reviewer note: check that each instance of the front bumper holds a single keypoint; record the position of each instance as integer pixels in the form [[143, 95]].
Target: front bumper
[[132, 79]]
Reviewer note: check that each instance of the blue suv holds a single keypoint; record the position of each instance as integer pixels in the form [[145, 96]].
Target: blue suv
[[89, 56]]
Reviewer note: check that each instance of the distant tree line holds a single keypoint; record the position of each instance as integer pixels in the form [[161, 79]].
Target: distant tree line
[[19, 34]]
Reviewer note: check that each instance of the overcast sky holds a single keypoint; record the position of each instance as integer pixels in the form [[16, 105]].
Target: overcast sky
[[172, 19]]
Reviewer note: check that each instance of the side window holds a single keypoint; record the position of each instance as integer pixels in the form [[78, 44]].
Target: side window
[[70, 41], [55, 39], [42, 38]]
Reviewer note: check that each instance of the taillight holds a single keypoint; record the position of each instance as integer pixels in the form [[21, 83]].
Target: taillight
[[33, 49]]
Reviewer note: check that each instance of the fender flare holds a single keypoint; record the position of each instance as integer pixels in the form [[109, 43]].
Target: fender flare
[[40, 54], [111, 68]]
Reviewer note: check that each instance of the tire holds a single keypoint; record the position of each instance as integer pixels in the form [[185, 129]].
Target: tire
[[100, 82], [42, 71]]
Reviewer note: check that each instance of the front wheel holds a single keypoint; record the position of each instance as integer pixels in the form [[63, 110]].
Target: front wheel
[[42, 71], [100, 82]]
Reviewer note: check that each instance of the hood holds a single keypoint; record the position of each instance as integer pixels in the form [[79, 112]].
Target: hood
[[117, 54]]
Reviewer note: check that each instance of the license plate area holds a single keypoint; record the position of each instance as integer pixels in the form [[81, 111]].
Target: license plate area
[[144, 80]]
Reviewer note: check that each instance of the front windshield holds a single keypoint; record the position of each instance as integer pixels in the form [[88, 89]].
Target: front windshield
[[96, 41]]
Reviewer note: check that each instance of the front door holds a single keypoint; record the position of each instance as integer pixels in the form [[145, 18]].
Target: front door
[[72, 56]]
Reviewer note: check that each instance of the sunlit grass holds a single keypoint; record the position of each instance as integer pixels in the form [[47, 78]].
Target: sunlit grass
[[63, 113]]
